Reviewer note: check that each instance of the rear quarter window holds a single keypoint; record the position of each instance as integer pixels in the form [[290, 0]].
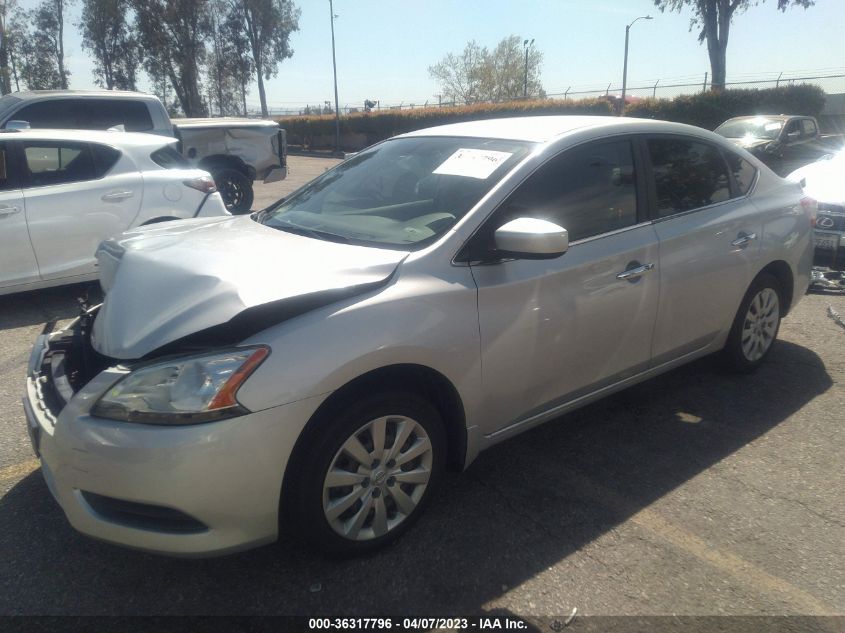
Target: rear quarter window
[[742, 172], [169, 158], [105, 158]]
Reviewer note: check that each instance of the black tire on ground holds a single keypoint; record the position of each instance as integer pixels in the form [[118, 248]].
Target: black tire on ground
[[737, 354], [306, 496], [235, 189]]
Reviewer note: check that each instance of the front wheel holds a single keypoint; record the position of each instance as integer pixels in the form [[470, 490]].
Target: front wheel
[[755, 326], [235, 189], [370, 470]]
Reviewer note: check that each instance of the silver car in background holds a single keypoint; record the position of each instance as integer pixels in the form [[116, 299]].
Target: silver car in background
[[320, 363]]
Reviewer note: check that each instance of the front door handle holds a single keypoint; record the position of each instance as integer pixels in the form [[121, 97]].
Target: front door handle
[[634, 274], [7, 211], [117, 196], [744, 239]]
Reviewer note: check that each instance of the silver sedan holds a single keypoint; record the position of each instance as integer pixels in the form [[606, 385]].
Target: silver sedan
[[320, 363]]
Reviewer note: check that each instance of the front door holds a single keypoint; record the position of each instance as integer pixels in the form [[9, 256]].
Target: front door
[[555, 329]]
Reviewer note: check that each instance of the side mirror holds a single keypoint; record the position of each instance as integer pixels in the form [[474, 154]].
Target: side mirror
[[16, 125], [531, 238]]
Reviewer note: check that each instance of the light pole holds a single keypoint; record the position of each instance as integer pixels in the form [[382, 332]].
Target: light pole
[[527, 46], [625, 67], [336, 102]]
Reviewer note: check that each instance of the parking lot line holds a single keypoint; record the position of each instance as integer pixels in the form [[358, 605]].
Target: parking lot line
[[13, 472], [745, 572]]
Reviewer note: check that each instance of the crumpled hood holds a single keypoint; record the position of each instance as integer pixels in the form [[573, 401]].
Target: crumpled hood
[[171, 280]]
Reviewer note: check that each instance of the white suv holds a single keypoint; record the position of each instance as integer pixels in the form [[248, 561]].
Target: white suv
[[63, 192]]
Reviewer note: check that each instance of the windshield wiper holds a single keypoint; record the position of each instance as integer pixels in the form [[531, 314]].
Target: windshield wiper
[[314, 233]]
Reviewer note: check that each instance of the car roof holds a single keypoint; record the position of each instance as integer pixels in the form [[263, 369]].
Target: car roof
[[28, 95], [542, 129], [123, 139], [774, 117]]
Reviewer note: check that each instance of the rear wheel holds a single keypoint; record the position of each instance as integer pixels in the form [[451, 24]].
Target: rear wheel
[[755, 326], [370, 471], [235, 189]]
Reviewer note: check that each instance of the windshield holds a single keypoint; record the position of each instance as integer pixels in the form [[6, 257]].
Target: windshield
[[758, 127], [402, 193]]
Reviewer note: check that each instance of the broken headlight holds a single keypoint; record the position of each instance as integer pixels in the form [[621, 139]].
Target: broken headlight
[[185, 390]]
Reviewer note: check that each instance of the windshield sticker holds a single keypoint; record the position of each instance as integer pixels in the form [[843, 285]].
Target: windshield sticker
[[472, 163]]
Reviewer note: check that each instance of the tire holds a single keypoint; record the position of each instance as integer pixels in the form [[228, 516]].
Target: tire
[[235, 189], [362, 507], [752, 335]]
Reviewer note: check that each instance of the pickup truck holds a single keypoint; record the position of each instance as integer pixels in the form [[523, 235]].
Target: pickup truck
[[235, 151], [784, 142]]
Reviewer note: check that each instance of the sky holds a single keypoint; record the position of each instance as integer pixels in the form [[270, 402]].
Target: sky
[[384, 47]]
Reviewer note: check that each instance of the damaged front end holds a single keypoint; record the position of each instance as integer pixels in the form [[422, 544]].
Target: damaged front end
[[827, 280]]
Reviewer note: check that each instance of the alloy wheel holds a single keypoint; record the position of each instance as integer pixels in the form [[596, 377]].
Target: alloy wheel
[[377, 478], [761, 324]]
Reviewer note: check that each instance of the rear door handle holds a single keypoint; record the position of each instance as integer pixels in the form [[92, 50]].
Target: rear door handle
[[633, 274], [117, 196], [7, 211], [744, 239]]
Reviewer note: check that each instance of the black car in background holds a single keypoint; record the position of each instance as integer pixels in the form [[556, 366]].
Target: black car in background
[[784, 142]]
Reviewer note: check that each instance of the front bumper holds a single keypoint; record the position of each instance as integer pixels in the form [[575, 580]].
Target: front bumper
[[225, 476]]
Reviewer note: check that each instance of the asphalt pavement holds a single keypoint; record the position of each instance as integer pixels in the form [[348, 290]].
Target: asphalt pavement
[[697, 493]]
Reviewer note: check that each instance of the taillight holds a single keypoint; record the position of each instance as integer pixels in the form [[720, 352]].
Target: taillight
[[203, 183], [811, 209]]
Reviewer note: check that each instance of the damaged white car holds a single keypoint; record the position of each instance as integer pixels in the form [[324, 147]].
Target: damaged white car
[[320, 363]]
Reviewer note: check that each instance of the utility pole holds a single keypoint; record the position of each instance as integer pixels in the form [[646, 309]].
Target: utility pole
[[336, 102], [526, 45], [625, 65]]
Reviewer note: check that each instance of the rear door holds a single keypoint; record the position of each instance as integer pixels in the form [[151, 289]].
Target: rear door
[[75, 198], [17, 259], [709, 234]]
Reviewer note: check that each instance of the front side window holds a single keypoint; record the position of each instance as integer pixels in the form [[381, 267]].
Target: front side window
[[52, 114], [54, 163], [403, 193], [587, 190], [687, 175]]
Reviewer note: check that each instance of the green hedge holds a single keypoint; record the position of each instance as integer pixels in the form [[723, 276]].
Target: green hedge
[[710, 109], [705, 110]]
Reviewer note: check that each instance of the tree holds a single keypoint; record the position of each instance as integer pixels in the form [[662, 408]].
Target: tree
[[714, 18], [42, 48], [6, 8], [172, 35], [107, 34], [268, 25], [230, 66], [478, 74]]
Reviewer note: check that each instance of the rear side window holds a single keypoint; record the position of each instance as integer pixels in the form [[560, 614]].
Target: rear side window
[[169, 158], [55, 163], [104, 158], [101, 114], [687, 175], [742, 171], [53, 114], [809, 127]]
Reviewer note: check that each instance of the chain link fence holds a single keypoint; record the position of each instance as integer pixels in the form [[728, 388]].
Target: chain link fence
[[831, 80]]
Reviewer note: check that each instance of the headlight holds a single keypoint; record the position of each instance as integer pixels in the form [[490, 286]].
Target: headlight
[[183, 390]]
